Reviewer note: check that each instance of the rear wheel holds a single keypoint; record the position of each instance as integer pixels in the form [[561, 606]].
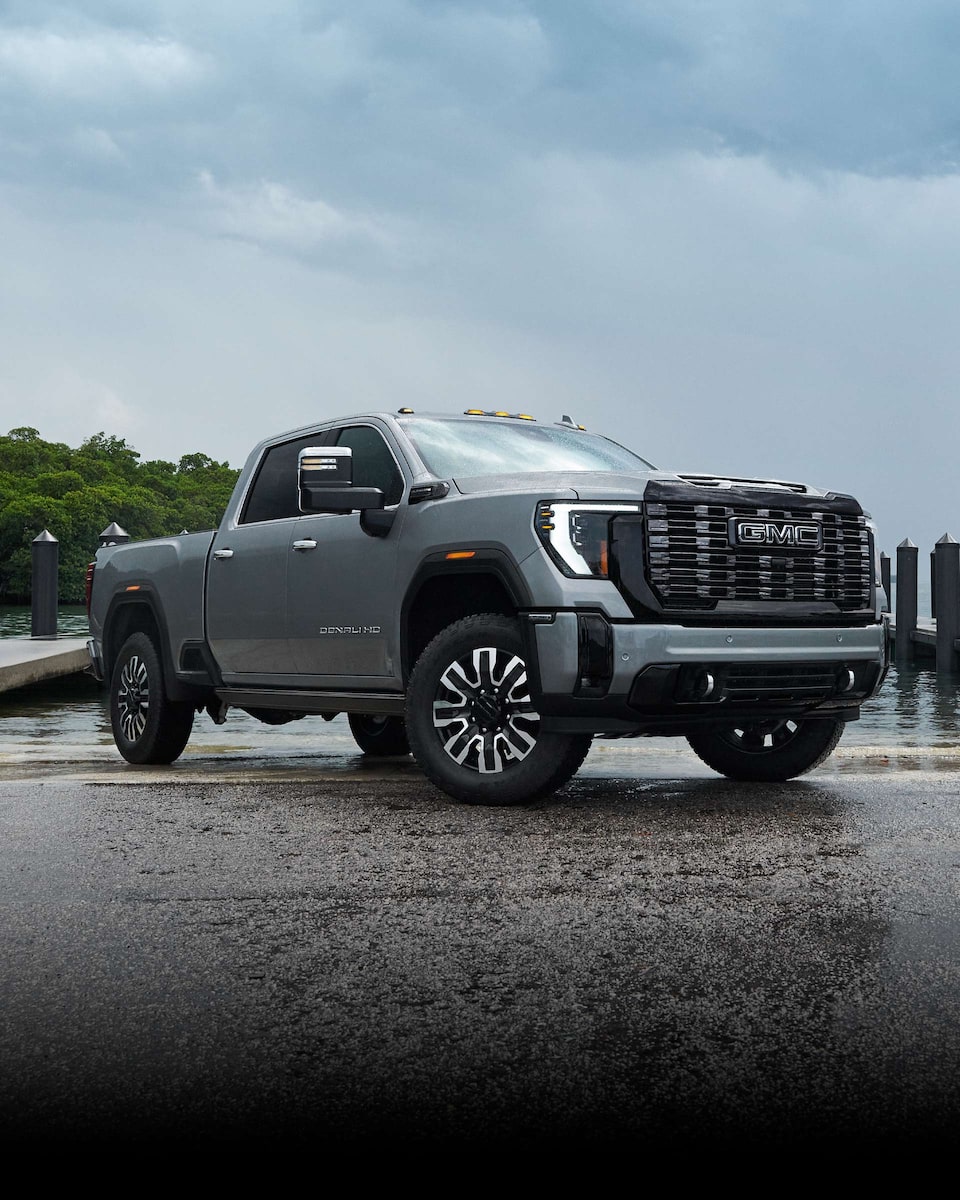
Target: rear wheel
[[148, 727], [768, 750], [379, 736], [471, 720]]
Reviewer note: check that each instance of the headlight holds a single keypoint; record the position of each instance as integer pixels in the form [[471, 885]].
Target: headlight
[[577, 535]]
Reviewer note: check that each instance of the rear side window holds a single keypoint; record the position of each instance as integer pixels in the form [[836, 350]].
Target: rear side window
[[373, 463], [276, 491]]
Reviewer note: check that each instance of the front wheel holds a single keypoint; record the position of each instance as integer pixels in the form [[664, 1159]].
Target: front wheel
[[768, 751], [147, 726], [379, 736], [471, 720]]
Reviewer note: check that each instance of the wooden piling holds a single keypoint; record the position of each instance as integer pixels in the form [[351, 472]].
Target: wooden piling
[[885, 579], [906, 613], [947, 598], [44, 584]]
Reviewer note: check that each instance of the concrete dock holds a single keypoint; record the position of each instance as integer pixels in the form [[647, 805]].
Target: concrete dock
[[29, 660], [924, 637]]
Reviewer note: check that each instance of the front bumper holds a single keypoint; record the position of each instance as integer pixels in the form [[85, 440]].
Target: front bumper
[[599, 676]]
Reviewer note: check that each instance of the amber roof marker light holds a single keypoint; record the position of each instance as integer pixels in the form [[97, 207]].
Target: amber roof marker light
[[483, 412]]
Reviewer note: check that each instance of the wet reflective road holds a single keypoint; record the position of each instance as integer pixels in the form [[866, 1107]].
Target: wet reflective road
[[913, 724], [308, 948]]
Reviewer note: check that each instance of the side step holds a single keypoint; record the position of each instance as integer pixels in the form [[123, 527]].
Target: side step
[[386, 704]]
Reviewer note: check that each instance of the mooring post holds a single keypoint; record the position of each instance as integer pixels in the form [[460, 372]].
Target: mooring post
[[45, 552], [113, 535], [906, 614], [933, 584], [948, 603], [885, 578]]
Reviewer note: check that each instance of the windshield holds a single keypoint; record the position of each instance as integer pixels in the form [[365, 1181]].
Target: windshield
[[478, 447]]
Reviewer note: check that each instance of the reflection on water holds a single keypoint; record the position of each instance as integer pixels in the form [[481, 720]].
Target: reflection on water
[[916, 707], [15, 620], [70, 717], [72, 708]]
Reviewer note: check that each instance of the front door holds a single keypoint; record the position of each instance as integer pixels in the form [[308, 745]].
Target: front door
[[342, 605]]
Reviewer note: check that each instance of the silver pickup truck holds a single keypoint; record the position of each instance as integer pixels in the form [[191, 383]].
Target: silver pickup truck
[[491, 593]]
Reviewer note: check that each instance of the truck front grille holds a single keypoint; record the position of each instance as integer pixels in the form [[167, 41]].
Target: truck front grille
[[690, 564]]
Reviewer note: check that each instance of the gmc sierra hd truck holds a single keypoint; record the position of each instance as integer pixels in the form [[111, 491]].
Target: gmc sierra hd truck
[[491, 593]]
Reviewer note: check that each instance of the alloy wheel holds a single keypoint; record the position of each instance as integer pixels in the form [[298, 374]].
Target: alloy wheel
[[133, 698], [483, 713]]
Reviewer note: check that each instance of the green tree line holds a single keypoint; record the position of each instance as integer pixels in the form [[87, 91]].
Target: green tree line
[[77, 493]]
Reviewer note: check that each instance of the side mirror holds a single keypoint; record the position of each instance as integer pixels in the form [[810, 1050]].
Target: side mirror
[[326, 482]]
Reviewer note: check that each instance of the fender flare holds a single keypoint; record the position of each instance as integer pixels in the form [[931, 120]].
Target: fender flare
[[486, 561], [146, 597]]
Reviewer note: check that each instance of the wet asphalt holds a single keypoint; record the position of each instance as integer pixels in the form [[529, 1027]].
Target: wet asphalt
[[345, 957]]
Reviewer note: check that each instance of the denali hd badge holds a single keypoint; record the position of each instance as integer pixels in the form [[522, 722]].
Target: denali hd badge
[[798, 535]]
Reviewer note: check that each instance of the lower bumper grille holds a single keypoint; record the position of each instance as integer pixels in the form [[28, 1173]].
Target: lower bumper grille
[[732, 686], [781, 681]]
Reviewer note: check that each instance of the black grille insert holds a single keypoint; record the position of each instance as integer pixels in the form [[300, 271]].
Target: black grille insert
[[691, 565]]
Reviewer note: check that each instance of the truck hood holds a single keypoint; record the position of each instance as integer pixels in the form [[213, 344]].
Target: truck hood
[[575, 485], [610, 485]]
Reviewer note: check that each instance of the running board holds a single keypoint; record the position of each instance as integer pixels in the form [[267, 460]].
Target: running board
[[378, 703]]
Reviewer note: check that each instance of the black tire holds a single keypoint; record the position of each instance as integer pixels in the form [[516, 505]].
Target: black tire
[[380, 736], [768, 751], [148, 727], [471, 722]]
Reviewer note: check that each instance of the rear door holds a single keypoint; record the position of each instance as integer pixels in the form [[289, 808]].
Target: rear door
[[247, 574]]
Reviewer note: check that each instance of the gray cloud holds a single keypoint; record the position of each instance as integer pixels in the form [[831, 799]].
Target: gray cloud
[[415, 101], [723, 232]]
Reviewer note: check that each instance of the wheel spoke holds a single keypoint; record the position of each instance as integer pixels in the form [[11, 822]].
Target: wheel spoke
[[463, 743], [445, 713], [519, 741], [784, 733], [513, 680], [484, 662], [455, 680]]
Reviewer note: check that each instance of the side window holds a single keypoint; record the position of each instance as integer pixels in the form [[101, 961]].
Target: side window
[[275, 493], [373, 464]]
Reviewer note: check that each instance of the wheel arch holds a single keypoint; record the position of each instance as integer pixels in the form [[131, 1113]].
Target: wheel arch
[[143, 612], [443, 591]]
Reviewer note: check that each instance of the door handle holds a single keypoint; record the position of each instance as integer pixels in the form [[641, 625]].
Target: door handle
[[305, 544], [223, 554]]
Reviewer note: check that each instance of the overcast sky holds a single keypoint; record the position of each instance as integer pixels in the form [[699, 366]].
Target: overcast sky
[[726, 232]]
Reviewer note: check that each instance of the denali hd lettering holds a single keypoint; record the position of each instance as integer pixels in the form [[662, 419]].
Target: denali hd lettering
[[516, 589], [353, 630]]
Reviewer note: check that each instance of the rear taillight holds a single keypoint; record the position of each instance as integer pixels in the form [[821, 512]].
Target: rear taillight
[[91, 567]]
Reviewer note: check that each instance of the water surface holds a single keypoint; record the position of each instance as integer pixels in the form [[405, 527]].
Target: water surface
[[916, 710]]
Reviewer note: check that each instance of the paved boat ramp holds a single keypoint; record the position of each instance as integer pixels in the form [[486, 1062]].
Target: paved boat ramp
[[30, 660]]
